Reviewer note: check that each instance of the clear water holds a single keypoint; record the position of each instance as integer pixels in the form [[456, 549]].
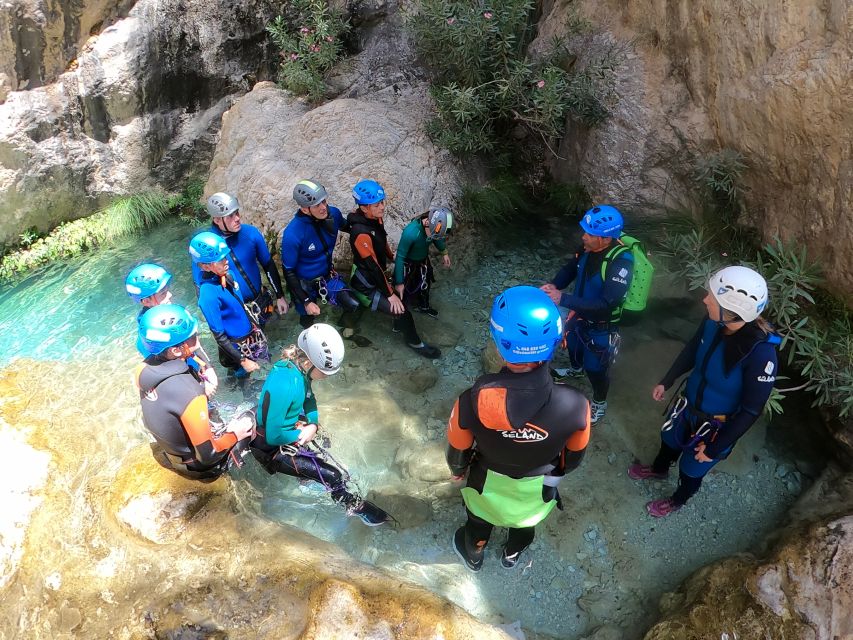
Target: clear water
[[601, 561]]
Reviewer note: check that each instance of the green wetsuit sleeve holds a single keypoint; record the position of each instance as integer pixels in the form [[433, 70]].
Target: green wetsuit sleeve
[[441, 245], [403, 248], [280, 406]]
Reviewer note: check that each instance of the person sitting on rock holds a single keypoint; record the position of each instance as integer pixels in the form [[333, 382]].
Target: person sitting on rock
[[516, 433], [171, 387], [732, 364], [248, 250], [370, 254], [241, 342], [288, 419], [413, 273], [601, 270], [307, 243], [149, 285]]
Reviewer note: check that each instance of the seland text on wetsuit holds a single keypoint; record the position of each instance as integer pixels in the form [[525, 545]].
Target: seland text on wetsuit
[[307, 245], [221, 302], [175, 413], [516, 434], [412, 266], [596, 303], [248, 249], [287, 399], [731, 378], [370, 255]]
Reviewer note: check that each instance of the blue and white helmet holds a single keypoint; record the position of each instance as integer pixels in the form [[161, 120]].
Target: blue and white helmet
[[368, 192], [164, 326], [525, 325], [603, 221], [207, 247], [146, 280]]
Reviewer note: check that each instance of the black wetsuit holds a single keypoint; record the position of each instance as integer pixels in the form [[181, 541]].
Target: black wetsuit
[[370, 255], [519, 425]]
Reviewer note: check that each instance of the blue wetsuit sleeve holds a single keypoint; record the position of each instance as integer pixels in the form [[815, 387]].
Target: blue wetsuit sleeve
[[685, 361], [209, 304], [342, 223], [617, 279], [268, 264], [759, 374], [567, 274]]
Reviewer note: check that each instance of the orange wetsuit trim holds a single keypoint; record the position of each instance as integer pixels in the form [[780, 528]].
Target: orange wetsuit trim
[[196, 423], [458, 437], [364, 246], [491, 409]]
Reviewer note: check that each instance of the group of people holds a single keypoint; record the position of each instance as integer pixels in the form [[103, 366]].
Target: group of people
[[513, 435]]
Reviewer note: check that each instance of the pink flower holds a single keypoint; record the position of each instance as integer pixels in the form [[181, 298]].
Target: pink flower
[[488, 15], [315, 48], [540, 84], [725, 255], [329, 38], [304, 30], [293, 56], [451, 20]]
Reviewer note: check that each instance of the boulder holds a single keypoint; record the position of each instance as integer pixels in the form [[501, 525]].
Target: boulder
[[271, 140]]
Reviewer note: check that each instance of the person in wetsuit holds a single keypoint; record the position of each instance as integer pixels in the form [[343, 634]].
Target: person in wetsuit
[[516, 433], [413, 272], [732, 364], [171, 383], [149, 285], [248, 250], [240, 340], [601, 270], [288, 419], [370, 255], [307, 244]]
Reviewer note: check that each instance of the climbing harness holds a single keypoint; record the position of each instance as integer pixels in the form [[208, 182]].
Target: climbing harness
[[255, 346]]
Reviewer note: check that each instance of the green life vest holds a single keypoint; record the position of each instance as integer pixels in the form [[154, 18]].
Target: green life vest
[[641, 280], [509, 502]]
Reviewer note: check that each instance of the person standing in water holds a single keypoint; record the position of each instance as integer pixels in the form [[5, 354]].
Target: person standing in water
[[732, 364], [516, 433]]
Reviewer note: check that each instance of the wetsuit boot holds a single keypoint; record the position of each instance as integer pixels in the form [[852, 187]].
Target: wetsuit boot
[[474, 561], [369, 513]]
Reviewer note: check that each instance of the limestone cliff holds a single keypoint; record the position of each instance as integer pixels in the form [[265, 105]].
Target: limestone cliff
[[768, 79]]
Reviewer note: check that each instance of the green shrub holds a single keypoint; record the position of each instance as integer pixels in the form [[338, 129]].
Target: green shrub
[[124, 216], [308, 37], [486, 84], [719, 176], [188, 204], [502, 201]]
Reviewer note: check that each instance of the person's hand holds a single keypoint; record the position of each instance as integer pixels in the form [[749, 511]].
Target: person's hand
[[307, 431], [554, 294], [397, 307], [312, 309], [400, 288], [658, 392], [281, 306], [457, 478], [211, 381], [700, 453], [445, 260], [243, 427], [548, 287], [249, 365]]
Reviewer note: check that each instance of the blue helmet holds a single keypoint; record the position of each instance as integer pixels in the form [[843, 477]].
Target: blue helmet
[[525, 325], [164, 326], [146, 280], [604, 221], [368, 192], [207, 247]]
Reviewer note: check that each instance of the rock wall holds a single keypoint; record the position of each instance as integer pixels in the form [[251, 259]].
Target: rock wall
[[140, 106], [768, 79], [802, 588]]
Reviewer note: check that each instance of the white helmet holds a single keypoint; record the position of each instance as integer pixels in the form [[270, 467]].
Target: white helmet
[[324, 347], [739, 290], [221, 204]]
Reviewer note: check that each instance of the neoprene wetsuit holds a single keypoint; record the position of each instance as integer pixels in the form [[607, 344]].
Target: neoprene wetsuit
[[221, 302], [248, 250], [175, 412], [412, 266], [731, 378], [370, 255], [596, 303], [307, 245], [517, 435]]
